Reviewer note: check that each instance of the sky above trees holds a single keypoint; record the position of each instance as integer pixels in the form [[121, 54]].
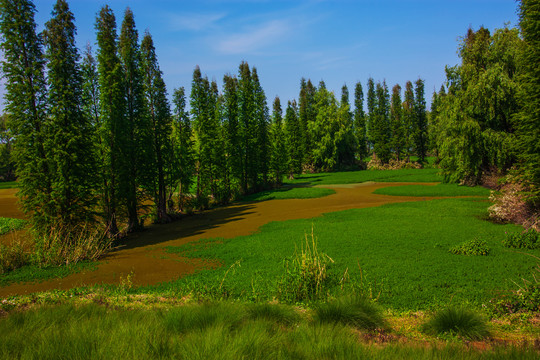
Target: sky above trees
[[335, 41]]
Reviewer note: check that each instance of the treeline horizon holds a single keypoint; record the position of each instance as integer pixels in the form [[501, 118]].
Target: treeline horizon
[[95, 137]]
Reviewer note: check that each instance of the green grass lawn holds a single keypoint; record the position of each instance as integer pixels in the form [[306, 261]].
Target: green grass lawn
[[402, 250], [40, 273], [9, 185], [9, 224], [437, 190], [289, 192]]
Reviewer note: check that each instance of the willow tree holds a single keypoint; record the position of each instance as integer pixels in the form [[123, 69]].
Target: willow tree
[[23, 69], [69, 139]]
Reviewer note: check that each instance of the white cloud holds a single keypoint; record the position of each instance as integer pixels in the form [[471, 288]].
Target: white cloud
[[195, 22], [254, 38]]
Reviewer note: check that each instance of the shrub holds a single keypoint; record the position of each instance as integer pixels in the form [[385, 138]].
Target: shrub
[[522, 240], [471, 247], [393, 164], [354, 311], [9, 224], [510, 205], [457, 321], [306, 274], [64, 245], [12, 257]]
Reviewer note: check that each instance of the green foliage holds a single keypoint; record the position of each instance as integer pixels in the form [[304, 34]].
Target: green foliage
[[31, 271], [360, 122], [420, 125], [9, 224], [475, 116], [23, 68], [522, 240], [473, 247], [380, 124], [306, 274], [278, 149], [12, 257], [527, 120], [293, 139], [7, 164], [357, 312], [457, 321]]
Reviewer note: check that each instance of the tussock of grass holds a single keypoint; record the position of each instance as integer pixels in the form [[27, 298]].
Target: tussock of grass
[[358, 312], [457, 321], [277, 313]]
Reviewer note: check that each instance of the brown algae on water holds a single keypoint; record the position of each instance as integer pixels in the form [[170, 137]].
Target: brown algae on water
[[143, 258]]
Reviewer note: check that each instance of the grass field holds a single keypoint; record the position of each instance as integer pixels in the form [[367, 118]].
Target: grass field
[[9, 185]]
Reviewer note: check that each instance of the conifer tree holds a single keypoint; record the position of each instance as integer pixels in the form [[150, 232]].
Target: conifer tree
[[408, 118], [182, 147], [137, 148], [294, 139], [262, 117], [231, 128], [248, 128], [307, 114], [360, 122], [371, 107], [278, 150], [420, 130], [396, 123], [528, 119], [161, 120], [345, 140], [381, 136], [23, 69], [112, 123], [90, 92], [69, 139]]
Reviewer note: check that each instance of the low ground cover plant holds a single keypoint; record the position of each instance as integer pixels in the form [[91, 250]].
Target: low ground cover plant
[[529, 239], [9, 224], [476, 247]]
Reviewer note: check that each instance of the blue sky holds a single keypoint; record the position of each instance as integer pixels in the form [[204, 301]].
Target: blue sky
[[339, 41]]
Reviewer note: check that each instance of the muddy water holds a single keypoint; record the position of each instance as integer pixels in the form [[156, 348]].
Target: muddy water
[[144, 256]]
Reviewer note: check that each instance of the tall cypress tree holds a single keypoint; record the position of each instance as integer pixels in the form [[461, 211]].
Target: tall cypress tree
[[396, 123], [360, 122], [345, 139], [69, 139], [248, 127], [262, 116], [381, 124], [26, 98], [408, 118], [182, 145], [161, 120], [233, 150], [278, 150], [528, 119], [138, 126], [420, 121], [371, 107], [112, 123], [90, 90], [294, 139]]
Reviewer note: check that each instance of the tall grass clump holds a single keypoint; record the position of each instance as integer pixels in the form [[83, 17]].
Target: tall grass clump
[[69, 245], [457, 321], [356, 311], [184, 319], [306, 274], [276, 313], [13, 257]]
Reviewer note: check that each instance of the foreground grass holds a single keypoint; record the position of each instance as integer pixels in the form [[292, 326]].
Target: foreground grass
[[211, 331], [398, 253]]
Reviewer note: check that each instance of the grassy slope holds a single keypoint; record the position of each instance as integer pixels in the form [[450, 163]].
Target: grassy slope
[[401, 248], [437, 190]]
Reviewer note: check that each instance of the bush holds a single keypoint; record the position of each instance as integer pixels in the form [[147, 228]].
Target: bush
[[471, 247], [9, 224], [354, 311], [12, 257], [522, 240], [306, 274], [457, 321], [393, 164]]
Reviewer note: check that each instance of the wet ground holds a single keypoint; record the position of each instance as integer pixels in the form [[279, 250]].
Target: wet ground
[[144, 256]]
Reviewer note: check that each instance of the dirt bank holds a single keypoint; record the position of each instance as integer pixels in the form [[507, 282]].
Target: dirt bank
[[144, 254]]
